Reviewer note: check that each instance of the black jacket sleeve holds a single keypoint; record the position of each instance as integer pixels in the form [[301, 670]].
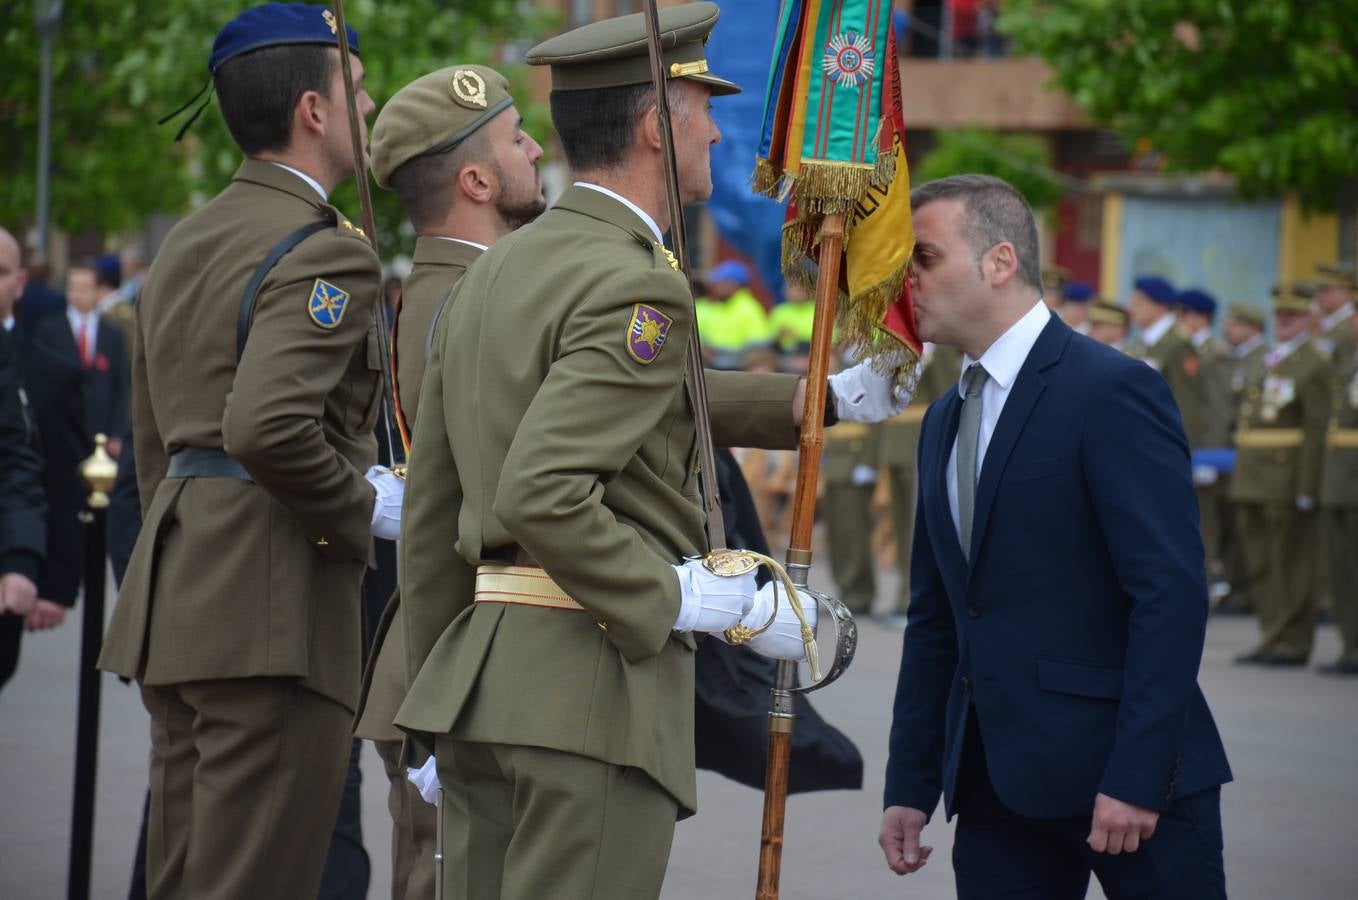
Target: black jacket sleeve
[[23, 508]]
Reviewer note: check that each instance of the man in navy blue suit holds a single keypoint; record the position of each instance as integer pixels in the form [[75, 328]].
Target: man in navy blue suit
[[1048, 688]]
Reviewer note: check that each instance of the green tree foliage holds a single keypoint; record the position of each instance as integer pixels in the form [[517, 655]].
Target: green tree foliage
[[1022, 160], [1266, 90], [120, 66]]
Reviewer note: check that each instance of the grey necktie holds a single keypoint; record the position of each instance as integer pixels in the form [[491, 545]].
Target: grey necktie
[[968, 438]]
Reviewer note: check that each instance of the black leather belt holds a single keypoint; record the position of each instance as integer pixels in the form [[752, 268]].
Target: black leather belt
[[205, 462]]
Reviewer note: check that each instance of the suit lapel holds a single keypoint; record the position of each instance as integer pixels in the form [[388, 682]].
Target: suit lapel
[[1028, 387]]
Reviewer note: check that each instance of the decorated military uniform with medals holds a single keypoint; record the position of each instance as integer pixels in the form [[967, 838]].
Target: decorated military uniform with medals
[[1280, 444], [554, 499], [429, 117], [255, 391]]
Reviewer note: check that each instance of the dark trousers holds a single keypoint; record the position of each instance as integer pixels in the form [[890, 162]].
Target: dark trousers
[[997, 854]]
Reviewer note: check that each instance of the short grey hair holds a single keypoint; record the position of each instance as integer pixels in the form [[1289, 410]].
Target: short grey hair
[[994, 211]]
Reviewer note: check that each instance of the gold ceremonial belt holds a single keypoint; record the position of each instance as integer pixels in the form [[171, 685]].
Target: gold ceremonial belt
[[525, 585], [1342, 438], [1269, 438]]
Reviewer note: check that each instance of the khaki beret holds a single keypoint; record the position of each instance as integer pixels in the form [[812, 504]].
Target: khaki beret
[[1342, 274], [1105, 312], [1247, 312], [435, 113], [613, 52]]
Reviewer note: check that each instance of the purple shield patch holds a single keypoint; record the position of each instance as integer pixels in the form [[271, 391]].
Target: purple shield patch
[[646, 333]]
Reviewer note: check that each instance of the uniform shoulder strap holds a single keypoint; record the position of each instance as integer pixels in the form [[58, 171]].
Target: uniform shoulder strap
[[434, 325], [281, 249]]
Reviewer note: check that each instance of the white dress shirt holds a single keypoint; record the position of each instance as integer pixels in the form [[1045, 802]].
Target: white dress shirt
[[1242, 350], [79, 322], [1151, 336], [482, 247], [316, 185], [655, 229], [1002, 360], [1334, 318]]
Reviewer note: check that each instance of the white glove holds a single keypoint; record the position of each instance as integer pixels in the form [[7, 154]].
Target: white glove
[[386, 523], [783, 640], [862, 476], [1204, 476], [710, 602], [865, 395], [1306, 504], [426, 781]]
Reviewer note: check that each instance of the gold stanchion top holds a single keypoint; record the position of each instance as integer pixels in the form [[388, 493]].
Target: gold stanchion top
[[99, 471]]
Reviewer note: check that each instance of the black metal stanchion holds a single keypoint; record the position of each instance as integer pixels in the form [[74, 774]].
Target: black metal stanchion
[[99, 472]]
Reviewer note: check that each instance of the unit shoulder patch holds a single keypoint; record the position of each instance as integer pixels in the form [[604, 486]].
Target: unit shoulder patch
[[646, 333], [327, 304]]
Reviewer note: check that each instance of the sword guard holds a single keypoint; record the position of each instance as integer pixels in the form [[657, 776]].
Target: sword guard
[[731, 563]]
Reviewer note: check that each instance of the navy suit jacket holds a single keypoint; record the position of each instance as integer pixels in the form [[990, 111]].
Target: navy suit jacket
[[107, 383], [1077, 631]]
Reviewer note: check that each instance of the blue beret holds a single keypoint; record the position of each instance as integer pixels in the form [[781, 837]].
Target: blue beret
[[1198, 300], [730, 270], [1079, 292], [1158, 289], [109, 266], [274, 24]]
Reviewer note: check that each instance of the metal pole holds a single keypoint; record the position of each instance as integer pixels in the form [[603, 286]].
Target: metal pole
[[98, 471], [47, 14]]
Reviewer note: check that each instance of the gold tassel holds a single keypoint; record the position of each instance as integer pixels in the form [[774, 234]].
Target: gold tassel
[[766, 179]]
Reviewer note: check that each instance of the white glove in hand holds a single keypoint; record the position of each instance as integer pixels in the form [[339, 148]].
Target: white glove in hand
[[710, 602], [1204, 476], [1306, 504], [386, 522], [862, 476], [783, 640], [865, 395], [426, 781]]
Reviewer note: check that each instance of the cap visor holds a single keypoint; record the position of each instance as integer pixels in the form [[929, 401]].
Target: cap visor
[[719, 86]]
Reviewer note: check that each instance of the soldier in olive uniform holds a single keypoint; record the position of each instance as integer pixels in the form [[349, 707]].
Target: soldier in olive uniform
[[256, 388], [940, 368], [550, 612], [1334, 286], [1197, 311], [1280, 441], [1243, 329], [849, 473], [451, 145], [1162, 347], [1339, 502], [1108, 324]]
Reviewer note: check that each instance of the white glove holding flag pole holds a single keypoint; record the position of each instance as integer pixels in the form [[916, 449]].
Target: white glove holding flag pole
[[712, 603], [426, 781], [386, 522], [863, 394], [783, 640]]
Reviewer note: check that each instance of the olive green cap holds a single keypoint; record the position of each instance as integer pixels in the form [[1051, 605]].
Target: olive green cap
[[1342, 274], [613, 53], [1105, 312], [1293, 298], [435, 113], [1247, 312]]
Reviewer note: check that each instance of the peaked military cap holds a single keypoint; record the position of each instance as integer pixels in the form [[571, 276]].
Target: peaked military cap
[[1055, 277], [435, 113], [1198, 300], [1293, 298], [1342, 274], [1105, 312], [1156, 288], [275, 24], [1247, 312], [613, 52]]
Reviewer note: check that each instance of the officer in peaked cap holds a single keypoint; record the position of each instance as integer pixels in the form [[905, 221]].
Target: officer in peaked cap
[[1280, 441], [451, 146], [255, 393], [1108, 323], [1334, 286], [554, 499]]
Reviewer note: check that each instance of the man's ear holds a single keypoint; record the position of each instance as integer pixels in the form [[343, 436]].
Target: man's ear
[[650, 128], [473, 181], [310, 114], [1003, 263]]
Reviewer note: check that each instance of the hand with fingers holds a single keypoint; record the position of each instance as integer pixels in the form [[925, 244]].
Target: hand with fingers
[[899, 839], [1120, 827]]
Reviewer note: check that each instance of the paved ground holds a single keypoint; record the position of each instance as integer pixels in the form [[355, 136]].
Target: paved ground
[[1292, 738]]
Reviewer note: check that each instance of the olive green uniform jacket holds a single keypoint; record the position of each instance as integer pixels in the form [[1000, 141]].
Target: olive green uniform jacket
[[1174, 357], [1215, 370], [438, 266], [1280, 439], [233, 578], [555, 429], [1339, 482]]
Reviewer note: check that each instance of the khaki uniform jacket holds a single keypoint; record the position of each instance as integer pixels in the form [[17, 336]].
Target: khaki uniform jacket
[[545, 437], [1174, 357], [1245, 372], [1216, 367], [900, 434], [849, 445], [1337, 341], [231, 578], [1339, 484], [438, 265], [1280, 441]]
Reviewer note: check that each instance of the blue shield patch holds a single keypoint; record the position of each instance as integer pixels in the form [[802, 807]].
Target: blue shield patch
[[327, 304]]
